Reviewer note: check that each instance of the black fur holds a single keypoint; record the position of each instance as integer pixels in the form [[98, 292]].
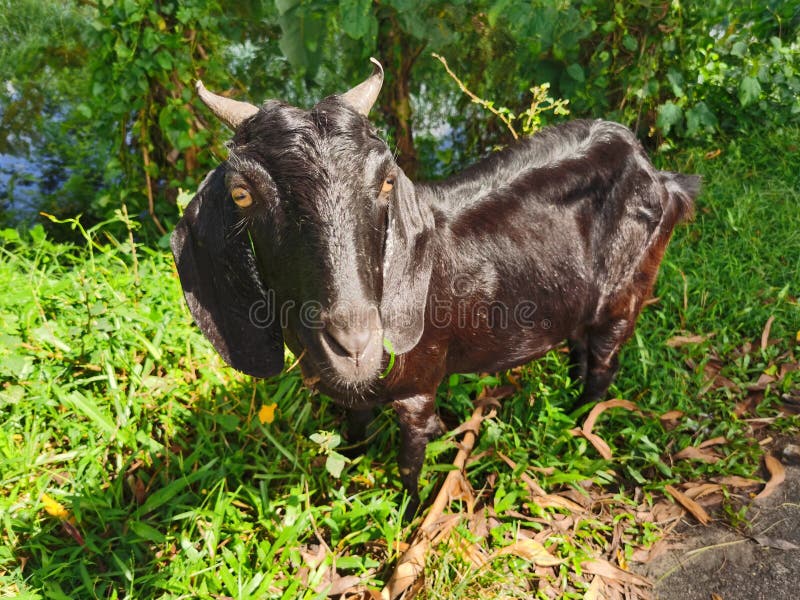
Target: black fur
[[558, 237]]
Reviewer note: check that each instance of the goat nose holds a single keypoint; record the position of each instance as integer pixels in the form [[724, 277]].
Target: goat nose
[[352, 340]]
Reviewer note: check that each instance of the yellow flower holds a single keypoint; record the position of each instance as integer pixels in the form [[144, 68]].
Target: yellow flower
[[267, 413], [54, 508]]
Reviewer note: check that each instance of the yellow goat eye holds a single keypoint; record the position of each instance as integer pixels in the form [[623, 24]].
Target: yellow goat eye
[[387, 186], [241, 197]]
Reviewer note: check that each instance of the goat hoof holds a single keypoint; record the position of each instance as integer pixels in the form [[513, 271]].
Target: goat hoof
[[411, 510]]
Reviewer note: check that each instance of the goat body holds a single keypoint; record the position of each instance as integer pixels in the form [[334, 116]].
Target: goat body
[[558, 237]]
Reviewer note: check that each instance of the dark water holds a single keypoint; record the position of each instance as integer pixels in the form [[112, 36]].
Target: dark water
[[19, 188]]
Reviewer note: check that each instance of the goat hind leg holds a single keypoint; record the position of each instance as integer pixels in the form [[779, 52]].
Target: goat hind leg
[[603, 359], [578, 359]]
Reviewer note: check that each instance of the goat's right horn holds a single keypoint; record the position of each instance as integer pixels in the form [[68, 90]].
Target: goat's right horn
[[363, 96], [229, 111]]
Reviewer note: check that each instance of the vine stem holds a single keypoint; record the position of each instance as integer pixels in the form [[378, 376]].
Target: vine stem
[[149, 182], [476, 99]]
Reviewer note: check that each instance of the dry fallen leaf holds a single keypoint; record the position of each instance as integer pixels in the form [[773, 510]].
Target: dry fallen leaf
[[737, 481], [704, 489], [671, 415], [530, 550], [677, 341], [596, 589], [411, 565], [777, 543], [765, 333], [341, 585], [694, 453], [605, 569], [557, 501], [594, 439], [776, 476], [713, 442], [693, 507]]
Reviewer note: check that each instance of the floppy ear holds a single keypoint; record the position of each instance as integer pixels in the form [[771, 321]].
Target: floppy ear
[[222, 285], [407, 265]]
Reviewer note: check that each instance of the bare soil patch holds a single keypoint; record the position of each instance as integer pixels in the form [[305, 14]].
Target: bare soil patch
[[758, 559]]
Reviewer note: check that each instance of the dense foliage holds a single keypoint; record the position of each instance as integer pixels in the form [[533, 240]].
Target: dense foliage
[[99, 96]]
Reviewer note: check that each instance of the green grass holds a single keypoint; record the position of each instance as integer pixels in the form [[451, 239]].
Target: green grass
[[113, 405]]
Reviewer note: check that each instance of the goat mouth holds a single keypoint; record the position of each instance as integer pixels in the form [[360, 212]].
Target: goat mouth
[[351, 368]]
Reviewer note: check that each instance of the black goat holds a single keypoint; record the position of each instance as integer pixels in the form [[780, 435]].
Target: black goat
[[310, 235]]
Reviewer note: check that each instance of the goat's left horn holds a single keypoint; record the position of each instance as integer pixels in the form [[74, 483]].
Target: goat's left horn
[[363, 96], [231, 112]]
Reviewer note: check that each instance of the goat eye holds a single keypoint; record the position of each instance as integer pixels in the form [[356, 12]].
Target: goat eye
[[387, 186], [241, 197]]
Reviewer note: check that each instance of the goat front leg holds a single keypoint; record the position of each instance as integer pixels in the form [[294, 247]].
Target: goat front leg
[[418, 426], [358, 420]]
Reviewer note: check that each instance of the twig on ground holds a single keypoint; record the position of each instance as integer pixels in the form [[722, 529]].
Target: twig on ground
[[412, 562]]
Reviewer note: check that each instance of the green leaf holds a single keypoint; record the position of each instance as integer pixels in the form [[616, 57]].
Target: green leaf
[[675, 79], [228, 423], [326, 440], [90, 410], [164, 61], [168, 492], [739, 49], [285, 6], [576, 72], [147, 532], [355, 17], [630, 42], [749, 90], [84, 110], [700, 118], [669, 116], [44, 335], [299, 42], [15, 365], [404, 5], [335, 464]]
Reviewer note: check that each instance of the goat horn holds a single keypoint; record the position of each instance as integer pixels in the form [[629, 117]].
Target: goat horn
[[363, 96], [231, 112]]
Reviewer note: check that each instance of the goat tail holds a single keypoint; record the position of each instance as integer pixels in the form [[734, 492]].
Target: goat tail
[[682, 189]]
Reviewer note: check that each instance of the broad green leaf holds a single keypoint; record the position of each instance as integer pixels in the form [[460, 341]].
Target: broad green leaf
[[335, 464], [576, 72], [675, 79], [285, 6], [669, 115], [749, 90], [355, 17], [700, 118], [739, 49]]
